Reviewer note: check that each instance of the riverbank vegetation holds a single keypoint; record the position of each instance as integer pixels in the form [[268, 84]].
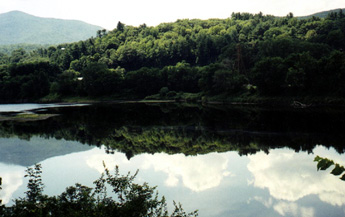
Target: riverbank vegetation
[[245, 57]]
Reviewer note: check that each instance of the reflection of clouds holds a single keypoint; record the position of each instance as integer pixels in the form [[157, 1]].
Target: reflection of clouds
[[291, 176], [198, 173], [12, 179], [285, 208], [32, 106], [292, 209], [95, 161], [267, 203]]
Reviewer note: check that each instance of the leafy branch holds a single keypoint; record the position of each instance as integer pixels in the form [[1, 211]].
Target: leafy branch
[[324, 164]]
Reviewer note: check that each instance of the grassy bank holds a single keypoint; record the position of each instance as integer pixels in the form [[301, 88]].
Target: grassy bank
[[205, 99]]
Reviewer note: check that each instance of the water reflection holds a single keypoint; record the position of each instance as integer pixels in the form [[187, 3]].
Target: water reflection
[[27, 152], [196, 173], [291, 176], [12, 179], [293, 209], [281, 183], [222, 161], [32, 106], [138, 128]]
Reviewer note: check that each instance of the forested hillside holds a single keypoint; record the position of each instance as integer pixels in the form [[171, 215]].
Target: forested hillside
[[245, 55], [322, 14], [21, 28], [9, 48]]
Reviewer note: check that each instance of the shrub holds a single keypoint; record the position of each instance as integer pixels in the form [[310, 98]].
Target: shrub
[[130, 199]]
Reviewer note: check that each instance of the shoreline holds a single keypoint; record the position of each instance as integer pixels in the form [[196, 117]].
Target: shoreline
[[295, 102]]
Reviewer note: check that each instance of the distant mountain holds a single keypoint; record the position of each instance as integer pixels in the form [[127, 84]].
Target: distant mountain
[[18, 27], [25, 152], [322, 14]]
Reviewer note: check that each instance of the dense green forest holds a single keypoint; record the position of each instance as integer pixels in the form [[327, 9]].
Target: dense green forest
[[244, 56], [8, 49]]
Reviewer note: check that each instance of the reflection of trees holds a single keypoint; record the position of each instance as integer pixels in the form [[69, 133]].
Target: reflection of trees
[[196, 140], [325, 163], [187, 139], [174, 128]]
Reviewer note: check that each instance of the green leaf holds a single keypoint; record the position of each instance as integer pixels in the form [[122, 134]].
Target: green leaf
[[324, 164], [338, 170], [317, 158]]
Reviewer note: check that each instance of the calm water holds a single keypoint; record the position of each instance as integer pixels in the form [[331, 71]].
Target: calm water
[[223, 161], [28, 107]]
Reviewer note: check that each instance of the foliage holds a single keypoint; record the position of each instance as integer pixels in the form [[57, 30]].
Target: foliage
[[324, 164], [130, 199], [8, 49], [277, 56]]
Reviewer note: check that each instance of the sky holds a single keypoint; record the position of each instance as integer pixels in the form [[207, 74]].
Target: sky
[[107, 13]]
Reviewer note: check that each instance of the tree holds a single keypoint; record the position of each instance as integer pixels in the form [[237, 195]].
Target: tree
[[295, 80], [68, 82], [229, 82], [35, 85], [269, 75], [18, 55], [290, 15], [120, 26], [98, 80], [101, 33], [336, 39]]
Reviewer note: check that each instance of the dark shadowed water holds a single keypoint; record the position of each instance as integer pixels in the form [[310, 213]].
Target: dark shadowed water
[[221, 160]]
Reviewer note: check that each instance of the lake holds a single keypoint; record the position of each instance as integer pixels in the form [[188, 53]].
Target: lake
[[221, 160]]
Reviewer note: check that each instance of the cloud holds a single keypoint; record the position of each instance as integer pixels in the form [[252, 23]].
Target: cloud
[[292, 209], [12, 179], [267, 203], [291, 176], [198, 173], [95, 161]]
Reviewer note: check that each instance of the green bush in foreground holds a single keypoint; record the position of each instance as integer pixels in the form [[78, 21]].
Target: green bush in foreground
[[130, 199]]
